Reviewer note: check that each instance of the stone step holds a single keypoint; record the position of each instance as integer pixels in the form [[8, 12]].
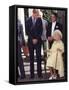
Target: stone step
[[27, 68]]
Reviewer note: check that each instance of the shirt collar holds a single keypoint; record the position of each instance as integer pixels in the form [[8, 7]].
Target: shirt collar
[[54, 22]]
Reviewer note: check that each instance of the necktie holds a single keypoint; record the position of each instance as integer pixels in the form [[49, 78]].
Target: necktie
[[34, 20]]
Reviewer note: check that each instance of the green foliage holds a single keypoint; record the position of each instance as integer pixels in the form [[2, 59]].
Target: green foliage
[[47, 14]]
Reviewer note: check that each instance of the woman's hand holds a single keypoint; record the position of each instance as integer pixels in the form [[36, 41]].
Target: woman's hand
[[50, 38], [59, 50]]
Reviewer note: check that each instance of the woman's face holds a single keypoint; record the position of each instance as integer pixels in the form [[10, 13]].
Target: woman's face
[[56, 37]]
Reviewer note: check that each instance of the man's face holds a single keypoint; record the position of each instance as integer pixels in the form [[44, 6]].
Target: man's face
[[53, 18], [35, 15]]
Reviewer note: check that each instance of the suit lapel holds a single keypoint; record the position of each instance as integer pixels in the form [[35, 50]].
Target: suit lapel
[[31, 21], [55, 26], [50, 28]]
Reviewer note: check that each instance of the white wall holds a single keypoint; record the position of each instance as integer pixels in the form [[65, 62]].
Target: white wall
[[22, 19], [30, 12]]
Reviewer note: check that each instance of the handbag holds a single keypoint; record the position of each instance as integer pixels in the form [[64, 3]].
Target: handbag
[[25, 50]]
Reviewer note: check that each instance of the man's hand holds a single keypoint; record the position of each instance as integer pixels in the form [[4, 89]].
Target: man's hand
[[34, 41], [50, 38]]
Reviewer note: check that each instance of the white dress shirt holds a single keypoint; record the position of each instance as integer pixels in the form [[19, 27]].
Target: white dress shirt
[[53, 27]]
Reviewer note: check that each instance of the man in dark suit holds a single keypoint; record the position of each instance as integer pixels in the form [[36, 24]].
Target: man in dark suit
[[21, 43], [34, 32], [52, 26]]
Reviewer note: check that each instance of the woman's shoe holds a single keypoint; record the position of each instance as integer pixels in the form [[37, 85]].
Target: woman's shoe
[[55, 77], [51, 77]]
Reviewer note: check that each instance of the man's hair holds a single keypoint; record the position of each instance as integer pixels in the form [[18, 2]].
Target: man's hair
[[55, 14], [35, 11]]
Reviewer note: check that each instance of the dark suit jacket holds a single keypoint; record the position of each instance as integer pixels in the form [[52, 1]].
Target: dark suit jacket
[[21, 40], [34, 32], [57, 26]]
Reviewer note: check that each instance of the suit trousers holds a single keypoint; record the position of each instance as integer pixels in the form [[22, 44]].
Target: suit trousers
[[20, 62], [37, 48]]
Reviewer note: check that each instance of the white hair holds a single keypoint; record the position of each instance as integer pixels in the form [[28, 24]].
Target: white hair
[[59, 32], [41, 14]]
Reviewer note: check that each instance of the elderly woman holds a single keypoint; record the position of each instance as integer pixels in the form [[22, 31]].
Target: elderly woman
[[55, 59]]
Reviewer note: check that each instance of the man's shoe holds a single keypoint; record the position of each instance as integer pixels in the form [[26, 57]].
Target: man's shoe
[[22, 77], [32, 77], [40, 76]]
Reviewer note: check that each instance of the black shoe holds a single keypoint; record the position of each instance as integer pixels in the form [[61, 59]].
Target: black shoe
[[22, 77], [40, 76], [32, 77]]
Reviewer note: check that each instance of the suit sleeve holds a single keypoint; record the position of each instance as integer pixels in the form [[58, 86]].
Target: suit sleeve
[[28, 28], [22, 35], [48, 33], [39, 28], [61, 47], [61, 27]]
